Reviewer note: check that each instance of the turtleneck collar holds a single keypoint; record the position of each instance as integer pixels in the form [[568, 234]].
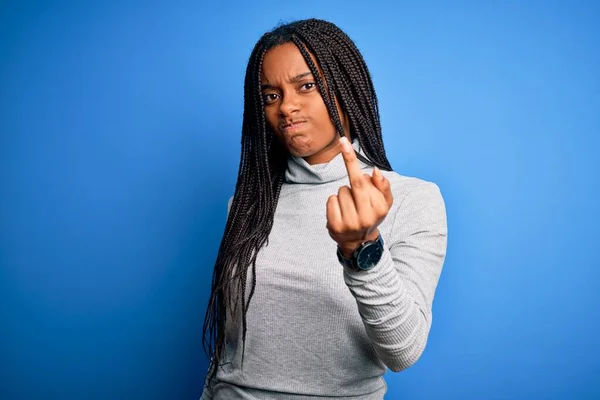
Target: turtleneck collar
[[300, 171]]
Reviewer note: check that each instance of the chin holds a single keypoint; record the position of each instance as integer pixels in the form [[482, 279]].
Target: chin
[[300, 148]]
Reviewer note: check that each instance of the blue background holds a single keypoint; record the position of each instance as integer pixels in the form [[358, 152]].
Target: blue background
[[120, 141]]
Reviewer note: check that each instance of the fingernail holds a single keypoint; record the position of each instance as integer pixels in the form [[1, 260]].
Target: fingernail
[[345, 144], [378, 173]]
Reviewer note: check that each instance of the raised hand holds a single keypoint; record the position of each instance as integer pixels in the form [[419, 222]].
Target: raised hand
[[354, 214]]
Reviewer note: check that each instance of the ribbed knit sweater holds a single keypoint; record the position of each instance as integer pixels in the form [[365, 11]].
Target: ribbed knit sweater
[[317, 329]]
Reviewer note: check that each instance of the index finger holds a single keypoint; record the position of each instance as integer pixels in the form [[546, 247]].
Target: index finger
[[354, 173]]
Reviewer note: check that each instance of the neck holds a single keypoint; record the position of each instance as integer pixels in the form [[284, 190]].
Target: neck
[[300, 170]]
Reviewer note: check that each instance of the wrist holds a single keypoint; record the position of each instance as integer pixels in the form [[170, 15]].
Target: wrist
[[365, 256], [348, 248]]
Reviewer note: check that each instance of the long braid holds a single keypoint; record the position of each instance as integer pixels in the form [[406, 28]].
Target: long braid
[[340, 74], [333, 48]]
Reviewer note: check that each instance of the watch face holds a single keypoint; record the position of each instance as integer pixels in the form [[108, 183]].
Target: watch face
[[369, 256]]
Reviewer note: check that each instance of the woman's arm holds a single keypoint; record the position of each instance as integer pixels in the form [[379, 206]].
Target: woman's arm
[[395, 297]]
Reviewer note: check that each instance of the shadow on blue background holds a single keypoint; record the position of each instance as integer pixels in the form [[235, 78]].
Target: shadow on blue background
[[120, 141]]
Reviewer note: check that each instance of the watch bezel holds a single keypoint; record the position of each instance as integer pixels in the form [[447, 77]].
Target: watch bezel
[[368, 247], [353, 262]]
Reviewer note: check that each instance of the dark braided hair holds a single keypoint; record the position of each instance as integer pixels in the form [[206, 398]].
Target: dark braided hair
[[344, 76]]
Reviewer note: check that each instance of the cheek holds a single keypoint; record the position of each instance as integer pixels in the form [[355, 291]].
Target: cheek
[[319, 114], [323, 120], [273, 121], [269, 115]]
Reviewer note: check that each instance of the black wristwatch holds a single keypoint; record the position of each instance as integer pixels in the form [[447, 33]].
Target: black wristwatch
[[365, 257]]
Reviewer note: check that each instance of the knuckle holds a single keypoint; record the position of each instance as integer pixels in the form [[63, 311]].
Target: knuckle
[[382, 209], [361, 224], [357, 182], [350, 225], [354, 227], [334, 228], [365, 222]]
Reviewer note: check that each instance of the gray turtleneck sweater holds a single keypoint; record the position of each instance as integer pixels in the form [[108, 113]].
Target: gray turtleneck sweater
[[318, 330]]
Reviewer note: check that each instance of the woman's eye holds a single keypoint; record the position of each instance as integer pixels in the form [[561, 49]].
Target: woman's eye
[[270, 97], [308, 85]]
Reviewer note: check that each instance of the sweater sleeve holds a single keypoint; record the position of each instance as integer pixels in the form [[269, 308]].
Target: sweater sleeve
[[395, 297]]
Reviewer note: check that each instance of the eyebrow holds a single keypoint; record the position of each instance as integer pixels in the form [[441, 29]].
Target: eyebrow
[[295, 79]]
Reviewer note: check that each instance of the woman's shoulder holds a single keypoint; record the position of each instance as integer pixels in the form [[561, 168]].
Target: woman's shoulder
[[412, 194], [402, 185]]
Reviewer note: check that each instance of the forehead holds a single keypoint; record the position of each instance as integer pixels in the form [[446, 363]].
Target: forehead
[[283, 62]]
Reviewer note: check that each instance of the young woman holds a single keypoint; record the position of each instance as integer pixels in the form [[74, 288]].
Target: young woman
[[329, 261]]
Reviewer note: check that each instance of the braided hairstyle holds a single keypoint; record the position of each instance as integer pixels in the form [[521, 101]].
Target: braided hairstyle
[[341, 74]]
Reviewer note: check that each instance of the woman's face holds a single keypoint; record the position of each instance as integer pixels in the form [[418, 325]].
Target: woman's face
[[294, 107]]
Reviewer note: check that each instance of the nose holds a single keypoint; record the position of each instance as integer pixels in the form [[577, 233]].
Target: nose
[[289, 105]]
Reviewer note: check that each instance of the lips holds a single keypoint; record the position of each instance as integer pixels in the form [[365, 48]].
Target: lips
[[292, 126]]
